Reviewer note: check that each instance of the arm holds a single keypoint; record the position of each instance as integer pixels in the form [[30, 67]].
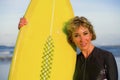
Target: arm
[[112, 71], [22, 22]]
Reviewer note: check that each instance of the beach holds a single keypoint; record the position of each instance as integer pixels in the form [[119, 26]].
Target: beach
[[5, 66], [6, 54], [4, 70]]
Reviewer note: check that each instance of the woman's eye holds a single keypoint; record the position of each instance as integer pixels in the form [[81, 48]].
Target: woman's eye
[[85, 33], [76, 35]]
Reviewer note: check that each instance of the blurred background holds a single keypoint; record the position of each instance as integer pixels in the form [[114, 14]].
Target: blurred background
[[103, 14]]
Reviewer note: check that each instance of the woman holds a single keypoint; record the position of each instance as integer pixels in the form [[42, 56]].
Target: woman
[[22, 22], [92, 63]]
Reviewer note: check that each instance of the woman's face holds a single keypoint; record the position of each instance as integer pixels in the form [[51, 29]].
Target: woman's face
[[82, 38]]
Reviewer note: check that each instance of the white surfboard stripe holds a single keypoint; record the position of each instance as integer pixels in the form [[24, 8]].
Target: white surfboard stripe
[[52, 17]]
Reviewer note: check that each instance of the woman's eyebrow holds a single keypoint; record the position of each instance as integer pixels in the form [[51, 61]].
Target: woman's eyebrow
[[75, 33]]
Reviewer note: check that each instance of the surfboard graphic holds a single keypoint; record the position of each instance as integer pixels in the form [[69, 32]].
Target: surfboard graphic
[[42, 51]]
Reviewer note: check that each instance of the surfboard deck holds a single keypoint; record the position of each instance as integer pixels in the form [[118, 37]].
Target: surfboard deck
[[42, 51]]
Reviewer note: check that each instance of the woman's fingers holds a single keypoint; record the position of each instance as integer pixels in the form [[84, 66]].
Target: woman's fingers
[[22, 22]]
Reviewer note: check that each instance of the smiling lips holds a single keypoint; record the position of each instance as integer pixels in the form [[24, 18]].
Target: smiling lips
[[83, 44]]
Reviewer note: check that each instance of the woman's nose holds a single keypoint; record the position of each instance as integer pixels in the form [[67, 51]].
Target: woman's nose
[[82, 38]]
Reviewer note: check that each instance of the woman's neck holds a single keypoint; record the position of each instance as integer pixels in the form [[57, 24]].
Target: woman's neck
[[87, 52]]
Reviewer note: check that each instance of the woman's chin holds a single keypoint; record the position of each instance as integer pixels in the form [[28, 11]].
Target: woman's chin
[[83, 48]]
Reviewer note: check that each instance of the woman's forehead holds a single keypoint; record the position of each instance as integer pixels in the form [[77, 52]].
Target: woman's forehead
[[81, 28]]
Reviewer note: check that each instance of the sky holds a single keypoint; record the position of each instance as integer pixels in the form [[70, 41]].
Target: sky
[[103, 14]]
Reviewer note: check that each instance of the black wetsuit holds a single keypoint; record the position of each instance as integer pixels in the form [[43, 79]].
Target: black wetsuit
[[100, 65]]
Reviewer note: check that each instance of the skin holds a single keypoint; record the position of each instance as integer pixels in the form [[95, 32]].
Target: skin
[[22, 22], [82, 39]]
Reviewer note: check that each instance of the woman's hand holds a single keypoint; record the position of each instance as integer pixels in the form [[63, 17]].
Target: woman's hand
[[22, 22]]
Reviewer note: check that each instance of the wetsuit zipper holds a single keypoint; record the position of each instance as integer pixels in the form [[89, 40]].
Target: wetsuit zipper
[[84, 71]]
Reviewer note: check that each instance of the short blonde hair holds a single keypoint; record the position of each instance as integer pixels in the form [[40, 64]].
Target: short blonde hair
[[76, 22]]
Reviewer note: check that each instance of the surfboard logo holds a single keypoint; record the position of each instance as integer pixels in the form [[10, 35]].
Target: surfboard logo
[[47, 59]]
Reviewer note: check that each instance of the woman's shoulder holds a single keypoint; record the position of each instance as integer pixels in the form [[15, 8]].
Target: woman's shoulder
[[103, 52]]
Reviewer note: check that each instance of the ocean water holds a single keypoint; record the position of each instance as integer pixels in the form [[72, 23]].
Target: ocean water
[[6, 53]]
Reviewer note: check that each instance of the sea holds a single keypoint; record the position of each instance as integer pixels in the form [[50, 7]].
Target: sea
[[6, 53]]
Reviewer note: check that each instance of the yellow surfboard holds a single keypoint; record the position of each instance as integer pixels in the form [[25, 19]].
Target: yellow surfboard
[[42, 51]]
